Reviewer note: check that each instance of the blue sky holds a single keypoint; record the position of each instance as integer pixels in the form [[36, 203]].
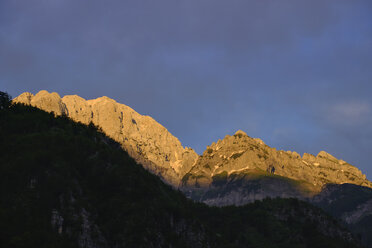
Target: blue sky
[[296, 74]]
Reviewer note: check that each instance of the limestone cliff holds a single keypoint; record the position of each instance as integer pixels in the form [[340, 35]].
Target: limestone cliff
[[240, 169], [148, 142]]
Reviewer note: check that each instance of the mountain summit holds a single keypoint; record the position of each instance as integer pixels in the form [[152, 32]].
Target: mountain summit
[[240, 169]]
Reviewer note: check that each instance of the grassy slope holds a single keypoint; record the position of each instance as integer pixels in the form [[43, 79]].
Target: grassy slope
[[54, 164]]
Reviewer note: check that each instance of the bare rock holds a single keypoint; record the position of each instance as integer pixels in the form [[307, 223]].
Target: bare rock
[[238, 163], [50, 102], [323, 154], [24, 98], [240, 133], [78, 108]]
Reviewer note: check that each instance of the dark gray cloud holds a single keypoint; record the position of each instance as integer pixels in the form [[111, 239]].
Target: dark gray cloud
[[294, 73]]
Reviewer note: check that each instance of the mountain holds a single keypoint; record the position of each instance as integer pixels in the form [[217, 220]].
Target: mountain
[[151, 145], [234, 171], [148, 142], [240, 169], [66, 184]]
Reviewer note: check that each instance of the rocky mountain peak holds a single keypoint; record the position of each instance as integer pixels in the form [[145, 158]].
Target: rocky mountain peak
[[240, 133], [50, 102], [323, 154], [24, 98], [148, 142], [239, 155]]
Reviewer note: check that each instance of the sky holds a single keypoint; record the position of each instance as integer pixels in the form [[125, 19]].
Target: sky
[[295, 73]]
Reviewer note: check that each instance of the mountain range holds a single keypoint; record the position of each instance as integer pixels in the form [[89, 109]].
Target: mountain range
[[233, 171], [67, 184], [150, 144]]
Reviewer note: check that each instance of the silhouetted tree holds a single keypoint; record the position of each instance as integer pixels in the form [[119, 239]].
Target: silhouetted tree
[[5, 100]]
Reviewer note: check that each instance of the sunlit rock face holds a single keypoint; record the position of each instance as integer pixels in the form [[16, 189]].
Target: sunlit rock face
[[50, 102], [78, 108], [148, 142], [241, 169]]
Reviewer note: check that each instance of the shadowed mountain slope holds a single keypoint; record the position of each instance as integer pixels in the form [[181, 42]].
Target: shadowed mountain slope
[[350, 203]]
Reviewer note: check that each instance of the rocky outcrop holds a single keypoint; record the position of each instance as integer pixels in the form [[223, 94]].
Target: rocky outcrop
[[50, 102], [148, 142], [240, 169]]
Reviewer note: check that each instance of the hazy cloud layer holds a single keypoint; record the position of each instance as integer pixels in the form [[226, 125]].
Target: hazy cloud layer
[[295, 73]]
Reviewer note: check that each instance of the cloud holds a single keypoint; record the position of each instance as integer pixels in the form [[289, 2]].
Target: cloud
[[352, 113]]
